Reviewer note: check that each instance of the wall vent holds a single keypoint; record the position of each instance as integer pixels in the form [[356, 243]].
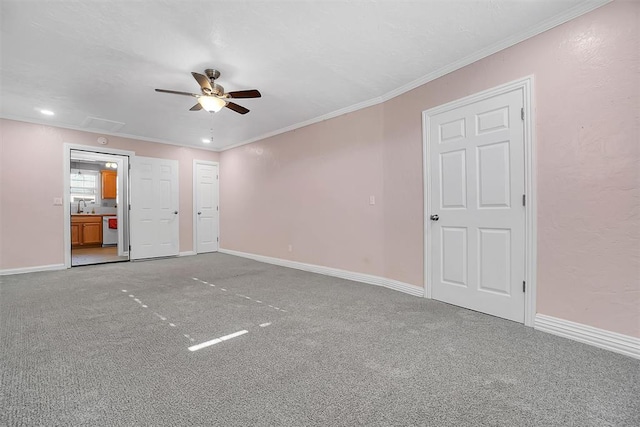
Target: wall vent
[[95, 123]]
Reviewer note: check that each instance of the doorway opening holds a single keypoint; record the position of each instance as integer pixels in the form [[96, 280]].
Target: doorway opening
[[97, 207]]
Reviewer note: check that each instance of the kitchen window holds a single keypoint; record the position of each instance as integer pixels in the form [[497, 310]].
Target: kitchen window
[[84, 186]]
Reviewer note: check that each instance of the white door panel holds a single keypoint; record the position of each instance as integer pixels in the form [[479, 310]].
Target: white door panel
[[154, 208], [454, 255], [477, 182], [453, 176], [206, 207]]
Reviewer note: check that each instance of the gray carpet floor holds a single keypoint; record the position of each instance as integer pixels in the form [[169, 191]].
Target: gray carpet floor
[[108, 346]]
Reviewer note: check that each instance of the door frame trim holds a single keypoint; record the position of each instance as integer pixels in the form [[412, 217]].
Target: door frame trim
[[524, 84], [194, 203], [66, 182]]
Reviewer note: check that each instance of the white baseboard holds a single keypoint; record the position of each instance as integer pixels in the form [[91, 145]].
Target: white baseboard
[[187, 253], [623, 344], [334, 272], [34, 269]]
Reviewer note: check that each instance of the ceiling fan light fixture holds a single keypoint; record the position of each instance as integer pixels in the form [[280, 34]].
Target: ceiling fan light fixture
[[213, 97], [211, 103]]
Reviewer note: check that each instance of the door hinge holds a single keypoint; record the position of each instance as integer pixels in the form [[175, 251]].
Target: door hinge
[[524, 200], [129, 206], [129, 248], [216, 176], [217, 208], [217, 239], [524, 286], [129, 166], [522, 113]]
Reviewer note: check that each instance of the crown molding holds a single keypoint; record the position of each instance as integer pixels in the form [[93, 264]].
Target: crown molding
[[570, 14], [553, 22], [331, 115], [101, 132]]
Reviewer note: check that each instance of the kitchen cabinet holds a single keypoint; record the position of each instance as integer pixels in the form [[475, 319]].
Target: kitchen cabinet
[[75, 234], [86, 230], [109, 179]]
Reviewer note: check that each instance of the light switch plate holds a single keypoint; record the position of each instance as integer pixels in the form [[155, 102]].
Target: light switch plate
[[57, 201], [372, 200]]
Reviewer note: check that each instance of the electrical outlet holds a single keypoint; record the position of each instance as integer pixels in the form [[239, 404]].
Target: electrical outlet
[[57, 201], [372, 200], [290, 248]]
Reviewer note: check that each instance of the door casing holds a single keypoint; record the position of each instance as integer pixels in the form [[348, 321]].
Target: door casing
[[66, 199], [526, 85]]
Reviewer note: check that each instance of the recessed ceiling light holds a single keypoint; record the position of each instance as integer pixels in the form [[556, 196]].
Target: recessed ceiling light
[[206, 140], [47, 112]]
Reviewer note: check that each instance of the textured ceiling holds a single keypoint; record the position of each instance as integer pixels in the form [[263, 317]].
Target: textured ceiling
[[310, 59]]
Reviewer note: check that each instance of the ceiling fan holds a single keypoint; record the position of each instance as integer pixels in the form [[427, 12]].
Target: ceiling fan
[[213, 97]]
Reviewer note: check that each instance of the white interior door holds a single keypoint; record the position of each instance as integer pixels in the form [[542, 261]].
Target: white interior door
[[477, 219], [206, 206], [154, 208]]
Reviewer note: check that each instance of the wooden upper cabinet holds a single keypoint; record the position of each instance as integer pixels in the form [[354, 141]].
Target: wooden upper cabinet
[[109, 178]]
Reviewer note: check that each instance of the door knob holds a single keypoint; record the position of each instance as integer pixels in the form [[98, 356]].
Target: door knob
[[434, 217], [175, 212], [199, 213]]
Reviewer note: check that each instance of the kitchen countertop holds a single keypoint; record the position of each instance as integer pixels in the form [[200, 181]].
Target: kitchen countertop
[[92, 214]]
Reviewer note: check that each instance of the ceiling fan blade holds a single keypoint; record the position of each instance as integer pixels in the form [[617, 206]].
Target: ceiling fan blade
[[237, 108], [252, 93], [203, 81], [196, 107], [175, 92]]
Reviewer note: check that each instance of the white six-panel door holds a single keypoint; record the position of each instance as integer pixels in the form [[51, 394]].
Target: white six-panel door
[[206, 207], [154, 209], [477, 217]]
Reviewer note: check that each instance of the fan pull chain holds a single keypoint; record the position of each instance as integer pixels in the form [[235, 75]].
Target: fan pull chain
[[212, 118]]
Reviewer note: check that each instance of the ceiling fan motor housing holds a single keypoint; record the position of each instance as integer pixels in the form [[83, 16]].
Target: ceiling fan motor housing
[[212, 74], [217, 89]]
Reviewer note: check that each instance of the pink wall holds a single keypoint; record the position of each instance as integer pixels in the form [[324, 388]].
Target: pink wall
[[310, 187], [31, 176]]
